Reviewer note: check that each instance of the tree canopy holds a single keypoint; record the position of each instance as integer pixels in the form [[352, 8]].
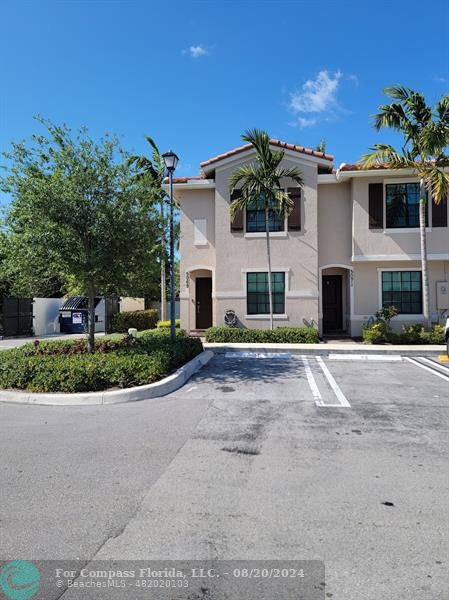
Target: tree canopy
[[77, 214]]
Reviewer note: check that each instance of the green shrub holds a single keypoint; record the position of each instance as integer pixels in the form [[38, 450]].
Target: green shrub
[[139, 319], [166, 324], [281, 335], [374, 334], [143, 361], [409, 334], [436, 336]]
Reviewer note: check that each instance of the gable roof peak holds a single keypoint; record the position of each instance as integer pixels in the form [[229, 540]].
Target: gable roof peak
[[273, 142]]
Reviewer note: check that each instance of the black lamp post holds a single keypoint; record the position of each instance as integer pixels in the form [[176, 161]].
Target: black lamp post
[[170, 161]]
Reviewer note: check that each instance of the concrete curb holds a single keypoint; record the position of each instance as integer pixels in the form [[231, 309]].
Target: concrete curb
[[325, 349], [143, 392]]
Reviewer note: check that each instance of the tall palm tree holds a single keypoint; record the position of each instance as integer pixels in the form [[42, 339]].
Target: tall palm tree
[[262, 181], [152, 170], [426, 138]]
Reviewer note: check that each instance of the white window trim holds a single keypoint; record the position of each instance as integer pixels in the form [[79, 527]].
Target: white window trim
[[401, 316], [262, 234], [394, 230], [265, 317]]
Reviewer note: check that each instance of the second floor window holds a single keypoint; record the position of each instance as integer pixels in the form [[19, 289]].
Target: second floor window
[[255, 218], [402, 205]]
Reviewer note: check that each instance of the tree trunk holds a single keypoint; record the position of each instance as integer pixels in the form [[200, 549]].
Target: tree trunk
[[163, 276], [270, 294], [91, 319], [424, 265]]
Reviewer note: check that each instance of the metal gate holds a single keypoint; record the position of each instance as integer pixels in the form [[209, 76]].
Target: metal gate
[[16, 316]]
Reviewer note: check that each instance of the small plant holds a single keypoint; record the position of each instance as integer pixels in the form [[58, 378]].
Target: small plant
[[385, 314], [375, 333]]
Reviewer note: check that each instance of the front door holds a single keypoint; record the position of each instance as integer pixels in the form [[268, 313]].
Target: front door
[[332, 303], [203, 294]]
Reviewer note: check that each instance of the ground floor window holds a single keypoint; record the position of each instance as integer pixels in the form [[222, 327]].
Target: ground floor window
[[402, 289], [257, 293]]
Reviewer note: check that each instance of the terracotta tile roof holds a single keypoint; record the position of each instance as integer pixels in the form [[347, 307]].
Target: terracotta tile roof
[[358, 167], [273, 142]]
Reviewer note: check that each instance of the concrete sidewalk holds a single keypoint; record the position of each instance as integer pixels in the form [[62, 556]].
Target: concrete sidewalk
[[325, 348], [7, 343]]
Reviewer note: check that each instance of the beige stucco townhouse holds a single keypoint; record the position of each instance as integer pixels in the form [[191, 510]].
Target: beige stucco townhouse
[[349, 247]]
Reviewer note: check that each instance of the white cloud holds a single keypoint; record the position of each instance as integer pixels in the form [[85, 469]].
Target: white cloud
[[316, 95], [196, 51], [303, 122], [439, 79], [354, 78]]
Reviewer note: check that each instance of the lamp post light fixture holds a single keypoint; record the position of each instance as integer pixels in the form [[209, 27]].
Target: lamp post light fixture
[[170, 161]]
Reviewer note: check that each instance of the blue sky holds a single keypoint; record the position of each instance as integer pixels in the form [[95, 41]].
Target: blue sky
[[195, 75]]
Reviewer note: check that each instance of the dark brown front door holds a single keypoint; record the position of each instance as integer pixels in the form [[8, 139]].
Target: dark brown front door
[[203, 294], [332, 303]]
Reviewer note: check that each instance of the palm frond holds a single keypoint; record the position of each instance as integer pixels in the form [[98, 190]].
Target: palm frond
[[417, 109], [291, 173], [436, 182], [261, 142], [152, 143], [434, 138], [281, 202], [384, 154], [398, 92], [442, 109], [390, 115], [245, 172]]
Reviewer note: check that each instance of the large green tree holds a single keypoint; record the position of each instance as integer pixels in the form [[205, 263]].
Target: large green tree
[[425, 132], [77, 213], [261, 181]]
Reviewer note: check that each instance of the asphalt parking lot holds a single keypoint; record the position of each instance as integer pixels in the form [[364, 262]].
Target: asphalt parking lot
[[286, 457]]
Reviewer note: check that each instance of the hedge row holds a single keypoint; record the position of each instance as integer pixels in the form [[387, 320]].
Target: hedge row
[[280, 335], [166, 324], [138, 319], [377, 333], [146, 360]]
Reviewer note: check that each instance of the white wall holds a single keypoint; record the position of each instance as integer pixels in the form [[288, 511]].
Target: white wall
[[46, 315], [127, 303]]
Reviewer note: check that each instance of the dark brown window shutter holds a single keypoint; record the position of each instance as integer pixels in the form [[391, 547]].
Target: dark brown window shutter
[[439, 214], [294, 218], [237, 221], [376, 205]]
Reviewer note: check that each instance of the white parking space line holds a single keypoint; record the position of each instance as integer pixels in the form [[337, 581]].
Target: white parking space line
[[337, 391], [283, 355], [435, 364], [368, 357], [311, 379], [431, 370]]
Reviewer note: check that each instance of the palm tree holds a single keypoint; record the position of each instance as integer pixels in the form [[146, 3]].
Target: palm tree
[[262, 181], [426, 138], [152, 170]]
